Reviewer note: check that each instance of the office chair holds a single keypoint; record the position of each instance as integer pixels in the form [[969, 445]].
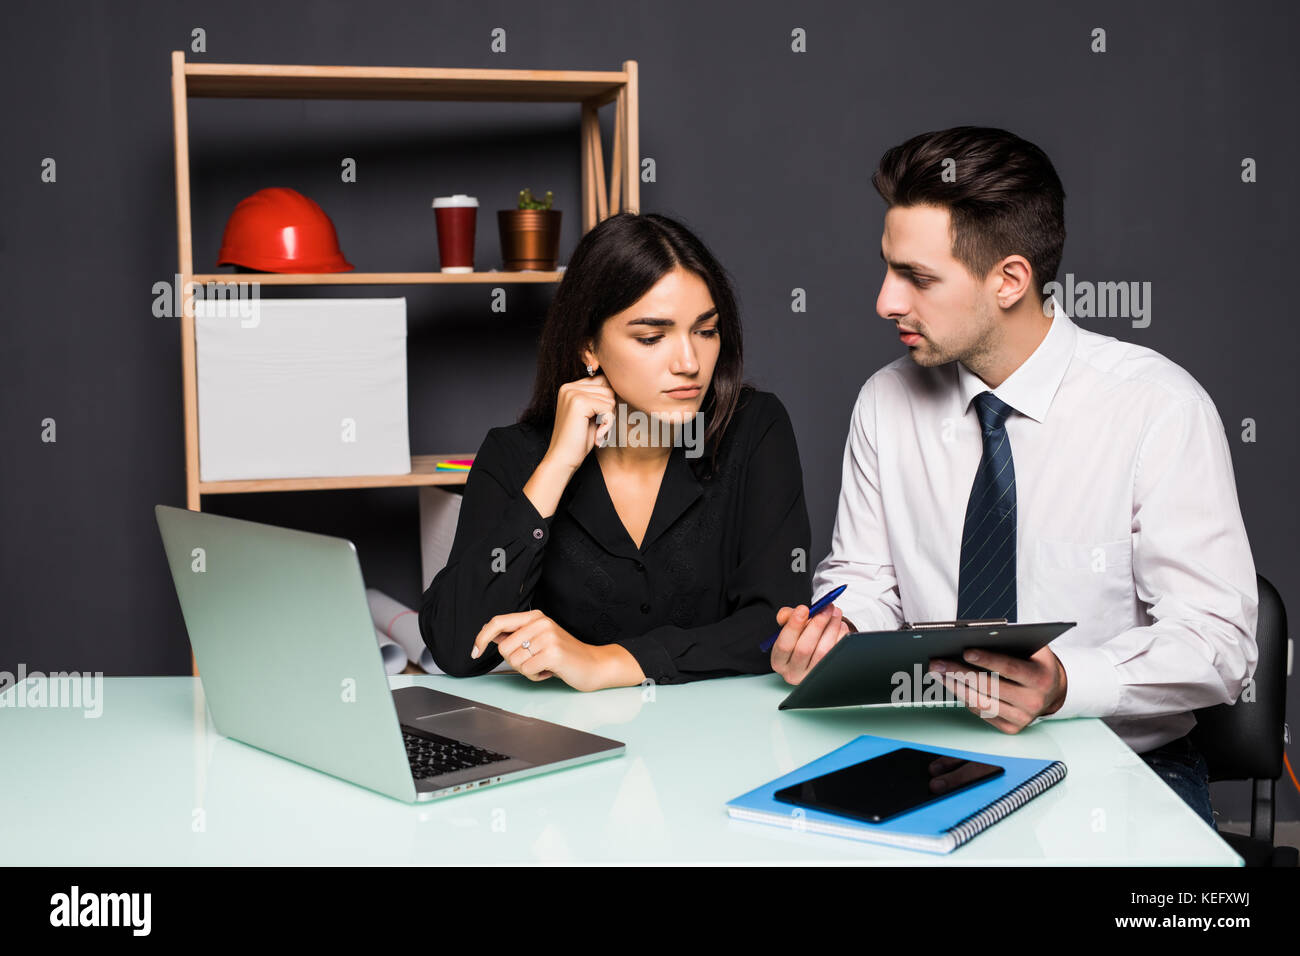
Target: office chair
[[1243, 741]]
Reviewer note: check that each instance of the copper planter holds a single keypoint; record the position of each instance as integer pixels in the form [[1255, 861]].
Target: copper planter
[[530, 238]]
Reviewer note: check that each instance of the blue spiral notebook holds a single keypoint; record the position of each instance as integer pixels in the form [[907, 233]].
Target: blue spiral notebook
[[938, 827]]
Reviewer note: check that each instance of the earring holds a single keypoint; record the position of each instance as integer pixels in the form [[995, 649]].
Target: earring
[[591, 370]]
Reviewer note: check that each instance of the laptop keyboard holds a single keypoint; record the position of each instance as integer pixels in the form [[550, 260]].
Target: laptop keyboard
[[431, 755]]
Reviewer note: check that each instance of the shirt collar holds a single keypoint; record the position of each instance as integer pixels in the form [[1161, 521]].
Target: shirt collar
[[591, 506], [1030, 388]]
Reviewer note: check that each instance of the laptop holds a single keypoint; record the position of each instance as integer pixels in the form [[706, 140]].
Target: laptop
[[286, 651]]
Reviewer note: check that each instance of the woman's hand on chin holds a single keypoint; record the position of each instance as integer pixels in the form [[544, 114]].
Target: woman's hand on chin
[[554, 652]]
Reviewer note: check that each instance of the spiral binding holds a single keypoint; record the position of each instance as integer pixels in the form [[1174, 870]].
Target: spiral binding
[[965, 830]]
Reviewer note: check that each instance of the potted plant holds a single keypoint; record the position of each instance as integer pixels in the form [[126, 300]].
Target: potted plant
[[530, 235]]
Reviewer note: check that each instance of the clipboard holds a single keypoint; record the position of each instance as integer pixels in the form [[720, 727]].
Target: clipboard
[[873, 667]]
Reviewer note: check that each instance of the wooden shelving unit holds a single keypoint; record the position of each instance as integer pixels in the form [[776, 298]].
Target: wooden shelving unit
[[590, 89]]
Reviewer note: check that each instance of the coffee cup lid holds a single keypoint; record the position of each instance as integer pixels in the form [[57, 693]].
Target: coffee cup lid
[[460, 199]]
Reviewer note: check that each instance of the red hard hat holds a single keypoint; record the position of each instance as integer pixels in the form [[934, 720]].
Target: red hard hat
[[281, 230]]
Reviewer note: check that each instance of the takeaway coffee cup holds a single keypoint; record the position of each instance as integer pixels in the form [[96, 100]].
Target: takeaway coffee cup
[[455, 217]]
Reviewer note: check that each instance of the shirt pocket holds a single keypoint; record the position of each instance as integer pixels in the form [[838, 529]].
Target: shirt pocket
[[1090, 583]]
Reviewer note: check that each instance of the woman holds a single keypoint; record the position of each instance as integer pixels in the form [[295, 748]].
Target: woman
[[606, 553]]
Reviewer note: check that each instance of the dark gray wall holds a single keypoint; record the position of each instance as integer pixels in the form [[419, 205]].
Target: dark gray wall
[[766, 153]]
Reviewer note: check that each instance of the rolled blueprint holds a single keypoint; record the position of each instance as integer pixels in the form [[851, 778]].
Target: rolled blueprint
[[394, 656], [439, 513], [402, 624]]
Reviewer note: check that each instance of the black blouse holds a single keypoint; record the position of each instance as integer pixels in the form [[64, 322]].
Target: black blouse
[[720, 554]]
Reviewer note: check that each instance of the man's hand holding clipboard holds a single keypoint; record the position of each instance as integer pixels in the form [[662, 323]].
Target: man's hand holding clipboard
[[1021, 690], [1024, 690]]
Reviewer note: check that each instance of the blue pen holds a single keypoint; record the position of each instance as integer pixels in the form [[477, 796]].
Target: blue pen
[[812, 612]]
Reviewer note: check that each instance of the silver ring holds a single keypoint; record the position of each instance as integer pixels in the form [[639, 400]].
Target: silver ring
[[525, 646]]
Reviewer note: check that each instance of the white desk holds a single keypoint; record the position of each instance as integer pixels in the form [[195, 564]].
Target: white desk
[[150, 782]]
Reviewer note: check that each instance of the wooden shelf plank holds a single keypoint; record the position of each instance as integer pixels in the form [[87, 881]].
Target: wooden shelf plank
[[273, 81], [377, 278], [422, 472]]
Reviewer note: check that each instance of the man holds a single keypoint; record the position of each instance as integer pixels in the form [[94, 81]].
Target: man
[[1014, 465]]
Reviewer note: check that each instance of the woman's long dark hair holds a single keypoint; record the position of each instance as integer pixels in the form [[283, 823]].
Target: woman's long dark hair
[[613, 266]]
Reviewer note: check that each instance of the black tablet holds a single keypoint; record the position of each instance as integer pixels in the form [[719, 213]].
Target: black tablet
[[883, 667], [893, 783]]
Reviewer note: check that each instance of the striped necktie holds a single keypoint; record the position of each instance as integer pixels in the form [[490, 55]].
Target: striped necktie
[[987, 580]]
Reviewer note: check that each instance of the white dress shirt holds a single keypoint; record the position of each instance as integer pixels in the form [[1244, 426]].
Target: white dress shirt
[[1128, 522]]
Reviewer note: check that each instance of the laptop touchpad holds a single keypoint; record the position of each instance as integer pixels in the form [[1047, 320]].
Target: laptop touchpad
[[476, 726]]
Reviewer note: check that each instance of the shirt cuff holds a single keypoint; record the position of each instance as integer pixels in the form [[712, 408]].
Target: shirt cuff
[[1092, 683], [865, 617], [652, 657], [523, 514]]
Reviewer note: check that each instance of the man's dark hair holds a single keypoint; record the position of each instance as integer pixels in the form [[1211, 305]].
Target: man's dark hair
[[1004, 198]]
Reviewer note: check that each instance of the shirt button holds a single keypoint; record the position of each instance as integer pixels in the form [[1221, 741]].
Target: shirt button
[[640, 567], [537, 533], [645, 608]]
